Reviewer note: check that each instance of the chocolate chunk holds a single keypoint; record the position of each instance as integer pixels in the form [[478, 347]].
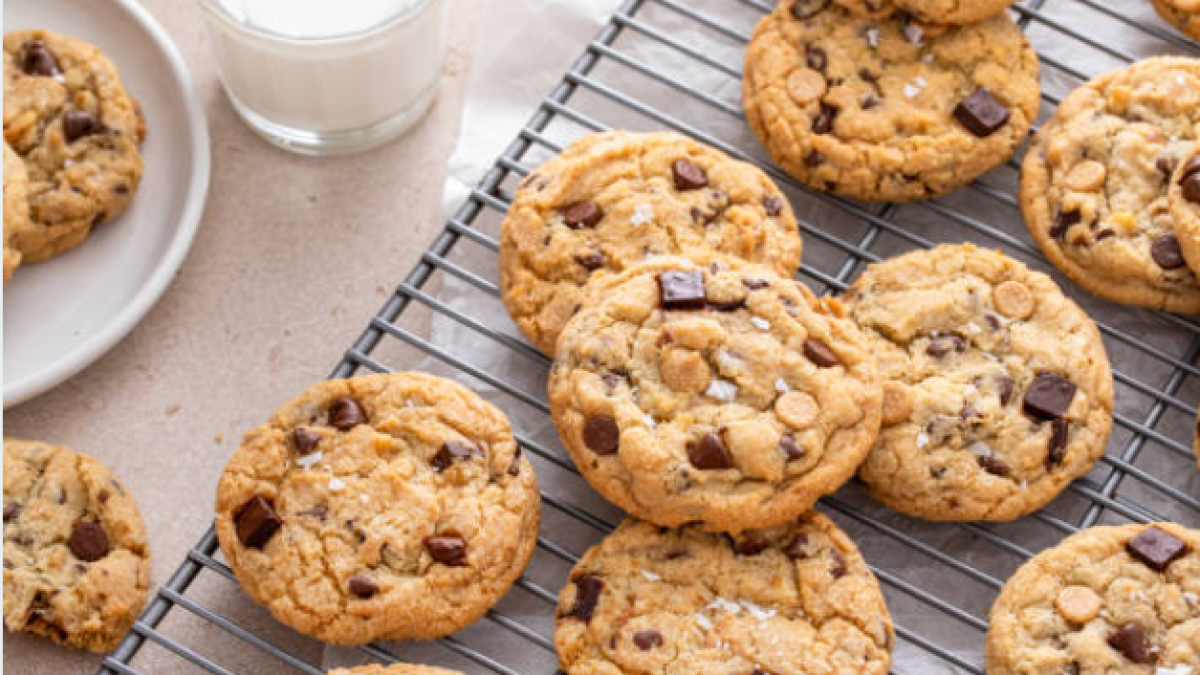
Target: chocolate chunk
[[362, 587], [1049, 396], [1057, 449], [582, 214], [790, 448], [1065, 221], [816, 58], [772, 205], [942, 344], [981, 113], [806, 9], [1191, 188], [1156, 548], [681, 290], [647, 639], [992, 465], [688, 176], [1130, 640], [79, 123], [837, 563], [452, 451], [820, 354], [590, 261], [11, 511], [709, 453], [823, 122], [306, 441], [756, 284], [1166, 252], [750, 544], [256, 522], [38, 59], [88, 542], [345, 414], [587, 594], [448, 549], [726, 305], [601, 434], [796, 550], [1004, 385]]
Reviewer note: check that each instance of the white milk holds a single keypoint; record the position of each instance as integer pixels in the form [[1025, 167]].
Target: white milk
[[323, 76]]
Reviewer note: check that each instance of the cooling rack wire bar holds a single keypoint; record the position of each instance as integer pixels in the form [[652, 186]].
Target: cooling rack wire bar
[[939, 579]]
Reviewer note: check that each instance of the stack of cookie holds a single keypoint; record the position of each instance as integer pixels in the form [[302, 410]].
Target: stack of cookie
[[71, 137]]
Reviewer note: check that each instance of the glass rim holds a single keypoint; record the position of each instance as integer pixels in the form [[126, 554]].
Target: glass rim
[[215, 9]]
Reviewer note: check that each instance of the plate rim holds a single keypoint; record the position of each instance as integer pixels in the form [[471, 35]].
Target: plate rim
[[163, 273]]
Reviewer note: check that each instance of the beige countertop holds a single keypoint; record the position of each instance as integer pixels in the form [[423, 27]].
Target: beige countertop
[[292, 258]]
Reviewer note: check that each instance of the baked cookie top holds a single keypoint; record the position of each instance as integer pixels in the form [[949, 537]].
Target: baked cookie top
[[793, 599], [16, 208], [887, 108], [997, 388], [76, 563], [68, 116], [953, 11], [1106, 600], [1183, 200], [390, 506], [615, 199], [394, 669], [1094, 183], [718, 394], [1183, 14]]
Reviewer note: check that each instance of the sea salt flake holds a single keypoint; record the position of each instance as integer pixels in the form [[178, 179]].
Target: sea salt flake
[[650, 576], [873, 37], [760, 323], [721, 390], [704, 622], [725, 605], [1181, 669], [642, 214], [757, 612], [308, 460], [922, 439], [973, 328], [336, 484], [915, 87], [781, 386], [913, 33], [365, 498]]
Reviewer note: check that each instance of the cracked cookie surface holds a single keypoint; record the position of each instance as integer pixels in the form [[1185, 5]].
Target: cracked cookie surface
[[886, 108], [394, 669], [997, 388], [76, 563], [615, 199], [1094, 183], [721, 394], [16, 209], [68, 116], [1183, 14], [792, 599], [387, 506], [1122, 599]]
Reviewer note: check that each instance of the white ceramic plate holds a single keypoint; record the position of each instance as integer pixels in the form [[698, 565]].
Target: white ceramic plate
[[61, 315]]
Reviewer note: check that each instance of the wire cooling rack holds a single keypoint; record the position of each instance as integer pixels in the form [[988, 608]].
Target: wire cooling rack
[[675, 64]]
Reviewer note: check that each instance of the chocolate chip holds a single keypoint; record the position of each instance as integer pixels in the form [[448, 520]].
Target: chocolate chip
[[1191, 188], [681, 290], [448, 549], [647, 639], [870, 101], [944, 343], [306, 441], [590, 261], [1004, 384], [601, 434], [814, 159], [11, 511], [88, 542], [587, 594], [816, 58], [79, 123], [992, 321], [868, 76], [790, 449], [750, 544], [981, 113], [994, 466], [1057, 449], [1049, 396], [709, 453], [1192, 168], [121, 189], [362, 587], [823, 122], [772, 205], [514, 466], [103, 495], [452, 451], [1130, 640], [38, 59], [1166, 252], [320, 512], [726, 305], [1063, 222], [837, 563], [820, 354], [688, 176], [256, 522], [806, 9], [756, 284], [582, 214], [345, 414], [797, 549], [1156, 548]]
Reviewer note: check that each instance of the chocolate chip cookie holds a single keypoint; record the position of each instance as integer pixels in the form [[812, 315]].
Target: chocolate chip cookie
[[76, 564], [953, 11], [1183, 199], [389, 506], [1106, 600], [887, 108], [1094, 183], [717, 394], [792, 599], [1183, 14], [615, 199], [997, 388], [16, 208], [394, 669], [68, 116]]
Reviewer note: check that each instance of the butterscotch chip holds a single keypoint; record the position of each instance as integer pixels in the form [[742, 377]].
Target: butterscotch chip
[[685, 371], [754, 446], [1013, 299], [1086, 176], [806, 85], [797, 409], [1078, 604], [897, 403]]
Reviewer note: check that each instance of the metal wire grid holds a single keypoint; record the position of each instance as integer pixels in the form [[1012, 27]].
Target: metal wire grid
[[941, 583]]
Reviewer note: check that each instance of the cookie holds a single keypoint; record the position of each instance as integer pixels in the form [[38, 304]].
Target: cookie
[[1094, 183], [997, 388], [68, 116], [1183, 14], [887, 109], [615, 199], [16, 208], [1183, 200], [76, 563], [389, 506], [394, 669], [953, 11], [1106, 600], [723, 395], [792, 599]]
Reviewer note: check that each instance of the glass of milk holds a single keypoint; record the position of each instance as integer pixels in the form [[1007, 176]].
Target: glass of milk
[[325, 77]]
